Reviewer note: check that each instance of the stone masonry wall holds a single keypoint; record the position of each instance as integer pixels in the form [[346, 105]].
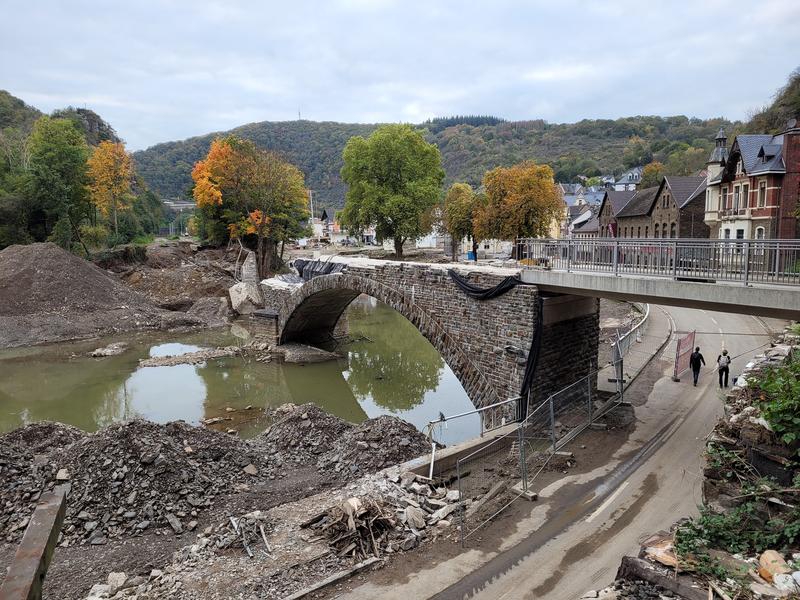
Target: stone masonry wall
[[485, 343]]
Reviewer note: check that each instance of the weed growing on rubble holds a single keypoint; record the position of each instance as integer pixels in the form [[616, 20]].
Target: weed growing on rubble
[[780, 399], [745, 529]]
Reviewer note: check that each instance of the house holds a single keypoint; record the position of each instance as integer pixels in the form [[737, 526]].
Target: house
[[586, 227], [629, 180], [613, 202], [675, 208], [753, 189]]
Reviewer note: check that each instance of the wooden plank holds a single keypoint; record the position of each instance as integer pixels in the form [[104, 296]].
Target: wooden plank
[[27, 571], [338, 576]]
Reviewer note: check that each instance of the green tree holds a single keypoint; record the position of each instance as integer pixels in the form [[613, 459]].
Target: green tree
[[637, 152], [460, 207], [652, 173], [394, 178], [57, 179]]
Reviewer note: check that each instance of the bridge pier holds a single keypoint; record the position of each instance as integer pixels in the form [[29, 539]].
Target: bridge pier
[[486, 343]]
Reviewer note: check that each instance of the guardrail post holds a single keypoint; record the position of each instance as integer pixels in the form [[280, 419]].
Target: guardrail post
[[746, 262], [552, 422], [29, 566], [569, 254], [674, 260], [616, 257]]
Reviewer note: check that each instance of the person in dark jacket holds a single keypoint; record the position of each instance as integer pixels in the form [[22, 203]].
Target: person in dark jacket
[[723, 366], [696, 360]]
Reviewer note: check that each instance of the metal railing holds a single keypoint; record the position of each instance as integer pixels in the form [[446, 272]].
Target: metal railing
[[745, 261]]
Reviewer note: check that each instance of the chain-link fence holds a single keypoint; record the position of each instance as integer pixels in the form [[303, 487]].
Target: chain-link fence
[[498, 473]]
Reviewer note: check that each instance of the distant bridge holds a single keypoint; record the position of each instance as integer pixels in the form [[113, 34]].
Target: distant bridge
[[756, 277]]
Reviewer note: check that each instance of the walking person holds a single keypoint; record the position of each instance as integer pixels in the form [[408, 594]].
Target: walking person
[[696, 360], [723, 366]]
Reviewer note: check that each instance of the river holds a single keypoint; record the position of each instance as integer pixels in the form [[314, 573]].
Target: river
[[390, 369]]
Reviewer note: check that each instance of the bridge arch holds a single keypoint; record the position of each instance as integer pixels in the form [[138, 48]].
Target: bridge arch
[[310, 313]]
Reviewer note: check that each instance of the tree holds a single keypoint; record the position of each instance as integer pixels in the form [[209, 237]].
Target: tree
[[460, 206], [637, 152], [110, 175], [394, 178], [57, 179], [521, 201], [259, 197], [652, 173]]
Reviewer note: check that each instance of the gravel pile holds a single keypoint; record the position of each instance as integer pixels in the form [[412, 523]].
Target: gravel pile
[[375, 444], [48, 294], [301, 434]]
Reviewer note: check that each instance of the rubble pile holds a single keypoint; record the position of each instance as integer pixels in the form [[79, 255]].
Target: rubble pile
[[43, 436], [301, 434], [631, 590], [127, 478], [374, 444], [48, 294]]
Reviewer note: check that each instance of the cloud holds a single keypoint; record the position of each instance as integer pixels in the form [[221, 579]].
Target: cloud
[[169, 70]]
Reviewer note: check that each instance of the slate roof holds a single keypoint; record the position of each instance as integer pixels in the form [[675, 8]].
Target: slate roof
[[590, 226], [618, 200], [595, 197], [640, 203], [718, 155], [628, 176], [684, 188], [749, 147], [570, 188]]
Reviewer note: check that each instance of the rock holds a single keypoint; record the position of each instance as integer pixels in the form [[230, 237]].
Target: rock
[[766, 591], [404, 442], [415, 517], [142, 525], [114, 349], [175, 523], [784, 582], [62, 475], [442, 513], [245, 297], [362, 445], [420, 488], [443, 524], [409, 543], [99, 590], [214, 312], [116, 581], [156, 573], [770, 564], [251, 469], [453, 496]]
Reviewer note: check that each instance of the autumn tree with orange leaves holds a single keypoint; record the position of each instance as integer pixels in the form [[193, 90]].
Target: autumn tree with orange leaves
[[110, 175], [521, 201], [253, 195]]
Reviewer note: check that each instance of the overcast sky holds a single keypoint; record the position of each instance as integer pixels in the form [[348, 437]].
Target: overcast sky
[[159, 71]]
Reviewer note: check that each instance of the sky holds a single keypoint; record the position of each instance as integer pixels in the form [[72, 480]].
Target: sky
[[161, 71]]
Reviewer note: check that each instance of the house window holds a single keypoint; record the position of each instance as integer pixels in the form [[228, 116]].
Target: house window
[[746, 195], [646, 231], [723, 198], [762, 194], [759, 233], [655, 230], [639, 232], [625, 233], [708, 200], [727, 234], [673, 230], [736, 197], [740, 234], [739, 167]]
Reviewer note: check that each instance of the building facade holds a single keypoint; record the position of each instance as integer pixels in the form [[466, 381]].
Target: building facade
[[629, 180], [753, 190]]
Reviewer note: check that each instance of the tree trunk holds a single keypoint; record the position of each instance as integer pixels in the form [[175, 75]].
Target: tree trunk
[[475, 249], [283, 245], [398, 247], [116, 231], [453, 247]]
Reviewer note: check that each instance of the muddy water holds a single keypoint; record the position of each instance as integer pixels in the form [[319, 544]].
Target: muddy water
[[391, 370]]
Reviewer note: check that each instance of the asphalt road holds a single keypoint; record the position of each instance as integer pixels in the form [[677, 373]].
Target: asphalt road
[[583, 524]]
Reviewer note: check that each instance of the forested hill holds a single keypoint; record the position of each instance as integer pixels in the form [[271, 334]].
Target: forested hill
[[468, 151]]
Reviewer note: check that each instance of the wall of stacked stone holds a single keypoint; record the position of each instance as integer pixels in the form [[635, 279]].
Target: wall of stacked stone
[[485, 343]]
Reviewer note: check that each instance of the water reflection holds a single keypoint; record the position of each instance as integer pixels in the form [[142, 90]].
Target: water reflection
[[392, 369]]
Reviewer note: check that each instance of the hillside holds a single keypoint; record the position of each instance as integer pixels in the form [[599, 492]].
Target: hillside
[[14, 113], [468, 151], [785, 106]]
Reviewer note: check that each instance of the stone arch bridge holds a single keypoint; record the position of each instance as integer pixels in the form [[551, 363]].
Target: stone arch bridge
[[485, 343]]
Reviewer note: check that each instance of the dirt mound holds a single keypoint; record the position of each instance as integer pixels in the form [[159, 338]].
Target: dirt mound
[[43, 436], [375, 444], [20, 487], [302, 434], [48, 294]]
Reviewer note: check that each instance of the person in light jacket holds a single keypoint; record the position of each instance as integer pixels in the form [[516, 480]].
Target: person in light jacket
[[723, 366]]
